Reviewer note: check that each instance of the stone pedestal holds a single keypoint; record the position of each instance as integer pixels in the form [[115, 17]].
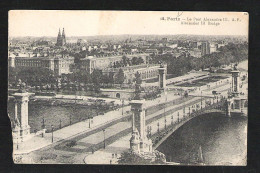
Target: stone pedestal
[[228, 107], [139, 142], [135, 142], [22, 128]]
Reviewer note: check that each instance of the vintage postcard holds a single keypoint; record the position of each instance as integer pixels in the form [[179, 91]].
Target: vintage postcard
[[128, 87]]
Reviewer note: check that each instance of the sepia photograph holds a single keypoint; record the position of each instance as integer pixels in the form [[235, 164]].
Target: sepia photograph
[[128, 87]]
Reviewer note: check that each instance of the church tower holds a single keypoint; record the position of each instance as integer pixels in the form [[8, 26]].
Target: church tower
[[61, 39]]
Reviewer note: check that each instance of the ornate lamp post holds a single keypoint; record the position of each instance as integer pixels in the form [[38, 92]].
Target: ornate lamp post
[[17, 146], [123, 106], [164, 112], [70, 119], [89, 122], [158, 124], [52, 127], [104, 138], [150, 131], [201, 100], [43, 125], [165, 121], [43, 121]]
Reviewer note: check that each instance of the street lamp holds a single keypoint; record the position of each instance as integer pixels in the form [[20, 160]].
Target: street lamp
[[60, 123], [122, 106], [178, 117], [165, 123], [43, 125], [189, 111], [172, 120], [201, 100], [17, 146], [164, 112], [150, 131], [52, 127], [89, 118], [104, 138], [158, 124], [70, 119]]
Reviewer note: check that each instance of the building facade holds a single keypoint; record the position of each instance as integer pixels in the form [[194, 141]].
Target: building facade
[[205, 48], [103, 62], [146, 72], [58, 64]]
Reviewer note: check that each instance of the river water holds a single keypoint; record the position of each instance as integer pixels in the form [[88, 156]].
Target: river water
[[223, 141], [53, 115]]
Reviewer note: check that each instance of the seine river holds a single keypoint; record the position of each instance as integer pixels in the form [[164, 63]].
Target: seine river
[[222, 141], [53, 115]]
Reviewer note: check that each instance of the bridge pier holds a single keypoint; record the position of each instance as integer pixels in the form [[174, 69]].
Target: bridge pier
[[235, 101]]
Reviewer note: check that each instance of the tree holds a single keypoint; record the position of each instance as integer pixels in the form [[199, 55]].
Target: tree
[[124, 61], [96, 77], [120, 77], [140, 61], [132, 159], [105, 79], [111, 77], [134, 61], [33, 75]]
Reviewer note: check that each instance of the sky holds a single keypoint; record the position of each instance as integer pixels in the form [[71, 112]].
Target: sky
[[91, 23]]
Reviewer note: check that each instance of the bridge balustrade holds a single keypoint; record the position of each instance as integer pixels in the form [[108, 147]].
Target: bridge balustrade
[[156, 137]]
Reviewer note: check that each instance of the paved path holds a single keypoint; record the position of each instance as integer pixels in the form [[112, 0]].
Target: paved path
[[99, 122]]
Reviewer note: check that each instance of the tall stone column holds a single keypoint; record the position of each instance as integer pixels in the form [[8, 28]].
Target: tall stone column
[[138, 120], [21, 115], [139, 141], [162, 78], [235, 82]]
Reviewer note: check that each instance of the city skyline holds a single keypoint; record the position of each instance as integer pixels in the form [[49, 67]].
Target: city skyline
[[24, 23]]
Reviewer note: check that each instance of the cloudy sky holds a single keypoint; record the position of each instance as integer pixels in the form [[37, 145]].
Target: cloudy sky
[[89, 23]]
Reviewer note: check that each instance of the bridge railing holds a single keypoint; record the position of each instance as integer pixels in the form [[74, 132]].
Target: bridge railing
[[164, 133]]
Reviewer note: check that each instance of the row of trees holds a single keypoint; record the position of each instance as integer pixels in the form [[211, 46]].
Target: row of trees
[[31, 76], [128, 62], [231, 53], [43, 76]]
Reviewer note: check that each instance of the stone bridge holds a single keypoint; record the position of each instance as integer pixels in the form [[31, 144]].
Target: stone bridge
[[159, 137]]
